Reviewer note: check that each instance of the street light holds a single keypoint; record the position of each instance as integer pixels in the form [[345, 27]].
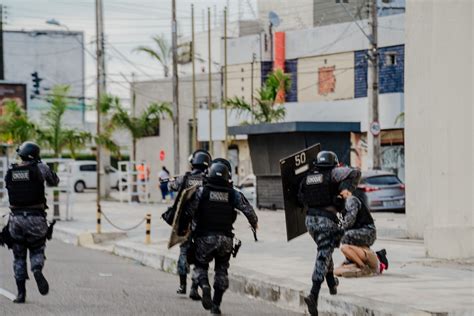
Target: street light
[[56, 23]]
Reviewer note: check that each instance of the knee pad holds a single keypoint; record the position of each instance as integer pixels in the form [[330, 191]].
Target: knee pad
[[221, 282]]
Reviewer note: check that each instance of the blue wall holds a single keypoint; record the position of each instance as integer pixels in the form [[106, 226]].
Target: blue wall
[[291, 67], [391, 77]]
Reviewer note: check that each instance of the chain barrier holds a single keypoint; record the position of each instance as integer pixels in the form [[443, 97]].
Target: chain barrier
[[121, 228]]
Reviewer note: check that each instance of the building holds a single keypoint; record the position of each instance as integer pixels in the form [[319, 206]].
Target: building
[[329, 84], [439, 126], [49, 58]]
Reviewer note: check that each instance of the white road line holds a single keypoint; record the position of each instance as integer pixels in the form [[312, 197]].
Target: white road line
[[7, 294]]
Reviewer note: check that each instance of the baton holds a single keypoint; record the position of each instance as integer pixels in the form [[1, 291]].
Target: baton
[[254, 231]]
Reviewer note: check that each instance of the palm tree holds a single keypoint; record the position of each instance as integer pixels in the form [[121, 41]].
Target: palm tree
[[15, 127], [268, 107], [55, 136], [140, 126], [162, 54]]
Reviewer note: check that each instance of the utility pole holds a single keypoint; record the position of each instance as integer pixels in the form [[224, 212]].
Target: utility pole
[[373, 134], [251, 84], [194, 138], [101, 90], [174, 43], [226, 123], [209, 101], [2, 69]]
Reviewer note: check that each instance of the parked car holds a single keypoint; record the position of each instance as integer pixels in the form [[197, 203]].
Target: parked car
[[247, 187], [84, 176], [385, 191]]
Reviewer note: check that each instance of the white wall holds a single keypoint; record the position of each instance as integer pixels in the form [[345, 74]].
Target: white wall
[[439, 126], [57, 56]]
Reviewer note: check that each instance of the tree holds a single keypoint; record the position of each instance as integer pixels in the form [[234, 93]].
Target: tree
[[144, 125], [15, 127], [267, 108], [162, 54]]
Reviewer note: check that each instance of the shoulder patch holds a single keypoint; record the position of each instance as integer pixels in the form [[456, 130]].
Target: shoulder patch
[[314, 179], [216, 196], [20, 175]]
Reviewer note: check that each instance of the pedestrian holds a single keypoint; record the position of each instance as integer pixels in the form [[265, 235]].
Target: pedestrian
[[211, 212], [200, 161], [322, 193], [164, 178], [28, 226], [359, 235]]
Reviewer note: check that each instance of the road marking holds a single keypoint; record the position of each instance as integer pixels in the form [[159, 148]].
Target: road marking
[[7, 294]]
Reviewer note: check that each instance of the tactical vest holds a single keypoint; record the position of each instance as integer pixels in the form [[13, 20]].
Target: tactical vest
[[363, 218], [216, 212], [25, 186], [318, 189], [193, 179]]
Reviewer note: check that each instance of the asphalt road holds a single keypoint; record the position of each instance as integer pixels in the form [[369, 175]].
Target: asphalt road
[[88, 282]]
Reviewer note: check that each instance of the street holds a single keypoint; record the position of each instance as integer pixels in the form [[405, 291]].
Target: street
[[88, 282]]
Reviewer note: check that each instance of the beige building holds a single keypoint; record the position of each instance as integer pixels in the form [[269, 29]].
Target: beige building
[[325, 78], [439, 126], [239, 78]]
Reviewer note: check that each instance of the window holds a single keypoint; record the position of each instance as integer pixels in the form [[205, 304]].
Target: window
[[390, 58], [342, 1], [382, 180], [89, 168], [326, 80]]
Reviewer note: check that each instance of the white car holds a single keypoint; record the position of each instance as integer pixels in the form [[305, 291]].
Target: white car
[[84, 176], [247, 187]]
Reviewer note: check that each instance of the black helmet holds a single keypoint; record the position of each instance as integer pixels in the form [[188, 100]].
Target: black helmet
[[219, 173], [223, 161], [201, 159], [326, 159], [29, 151]]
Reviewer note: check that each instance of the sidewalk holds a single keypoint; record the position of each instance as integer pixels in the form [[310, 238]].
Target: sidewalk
[[279, 271]]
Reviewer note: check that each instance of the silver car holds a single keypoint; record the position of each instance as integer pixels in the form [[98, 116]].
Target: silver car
[[385, 191]]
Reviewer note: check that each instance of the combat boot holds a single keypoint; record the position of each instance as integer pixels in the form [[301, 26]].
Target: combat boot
[[332, 282], [312, 301], [216, 302], [206, 297], [193, 293], [182, 284], [42, 283], [21, 297]]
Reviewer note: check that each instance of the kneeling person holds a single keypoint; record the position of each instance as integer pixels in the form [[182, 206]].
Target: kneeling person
[[28, 226], [212, 211], [359, 235]]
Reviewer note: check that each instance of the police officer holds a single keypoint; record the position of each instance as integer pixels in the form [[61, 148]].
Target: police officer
[[200, 161], [322, 192], [359, 230], [28, 226], [212, 210]]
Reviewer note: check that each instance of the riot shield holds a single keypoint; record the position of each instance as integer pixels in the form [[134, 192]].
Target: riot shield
[[293, 169], [181, 201]]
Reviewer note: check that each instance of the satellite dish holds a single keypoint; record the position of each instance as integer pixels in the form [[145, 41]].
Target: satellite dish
[[274, 18]]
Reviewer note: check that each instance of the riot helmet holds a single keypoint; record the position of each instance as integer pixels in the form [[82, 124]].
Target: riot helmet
[[326, 160], [223, 161], [29, 151], [219, 173], [201, 160]]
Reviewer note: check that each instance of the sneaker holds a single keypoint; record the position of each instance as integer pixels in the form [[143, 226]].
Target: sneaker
[[42, 283], [206, 297], [382, 256]]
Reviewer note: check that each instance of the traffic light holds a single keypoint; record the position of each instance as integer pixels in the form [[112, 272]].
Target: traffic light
[[36, 82]]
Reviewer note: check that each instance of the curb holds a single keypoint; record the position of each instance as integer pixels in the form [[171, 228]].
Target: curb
[[284, 293]]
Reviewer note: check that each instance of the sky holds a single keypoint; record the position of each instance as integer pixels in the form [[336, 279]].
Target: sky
[[128, 24]]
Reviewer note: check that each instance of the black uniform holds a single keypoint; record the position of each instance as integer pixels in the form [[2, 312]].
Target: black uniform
[[195, 177], [319, 192], [212, 212], [28, 226], [358, 223]]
